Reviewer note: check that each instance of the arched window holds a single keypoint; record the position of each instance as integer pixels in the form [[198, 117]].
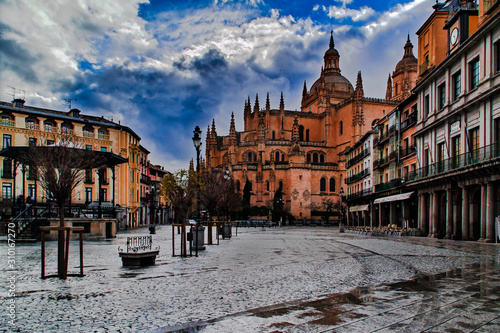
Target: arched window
[[267, 185], [238, 185], [308, 158], [341, 126], [332, 184], [301, 133], [307, 135], [281, 185], [341, 180], [315, 158], [322, 158], [277, 156], [274, 135], [282, 157], [322, 185]]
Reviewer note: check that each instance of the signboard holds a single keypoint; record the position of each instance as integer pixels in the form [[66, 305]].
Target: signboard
[[455, 126]]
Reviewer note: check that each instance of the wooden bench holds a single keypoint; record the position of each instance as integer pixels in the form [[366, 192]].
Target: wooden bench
[[139, 251]]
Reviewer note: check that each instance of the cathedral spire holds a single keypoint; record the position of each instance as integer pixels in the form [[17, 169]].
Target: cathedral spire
[[359, 86], [268, 104], [256, 106], [232, 131], [282, 103], [388, 92], [304, 91], [332, 43], [408, 48]]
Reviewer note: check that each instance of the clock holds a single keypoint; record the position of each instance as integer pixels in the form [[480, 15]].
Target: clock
[[454, 36]]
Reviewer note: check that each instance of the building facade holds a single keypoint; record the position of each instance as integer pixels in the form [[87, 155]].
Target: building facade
[[458, 131], [23, 125], [300, 151]]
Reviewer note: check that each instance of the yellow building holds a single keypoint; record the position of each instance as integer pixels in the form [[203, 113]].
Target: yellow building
[[23, 125]]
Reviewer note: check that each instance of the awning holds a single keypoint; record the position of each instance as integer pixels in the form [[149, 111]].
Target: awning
[[396, 197], [359, 208]]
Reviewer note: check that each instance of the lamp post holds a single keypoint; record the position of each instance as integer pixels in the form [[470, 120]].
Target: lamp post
[[152, 227], [341, 227], [199, 230]]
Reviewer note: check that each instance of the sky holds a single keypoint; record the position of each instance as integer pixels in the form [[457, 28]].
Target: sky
[[163, 67]]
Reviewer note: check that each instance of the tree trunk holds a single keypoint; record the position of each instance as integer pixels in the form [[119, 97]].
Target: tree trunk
[[61, 262]]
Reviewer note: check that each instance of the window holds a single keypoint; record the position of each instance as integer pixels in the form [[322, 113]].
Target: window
[[103, 148], [307, 135], [322, 158], [315, 158], [277, 156], [341, 127], [32, 173], [7, 140], [457, 85], [7, 168], [426, 106], [88, 177], [441, 95], [440, 157], [88, 147], [474, 73], [31, 192], [322, 185], [267, 186], [104, 194], [301, 133], [474, 142], [496, 137], [332, 184], [50, 142], [32, 142], [455, 151], [6, 191], [496, 48], [274, 135]]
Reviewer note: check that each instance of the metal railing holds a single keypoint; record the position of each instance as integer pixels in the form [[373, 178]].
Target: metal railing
[[393, 183], [407, 151], [477, 156], [358, 176], [409, 121], [360, 194], [358, 157], [8, 122]]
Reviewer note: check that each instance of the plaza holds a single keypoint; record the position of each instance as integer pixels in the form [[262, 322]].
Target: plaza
[[264, 280]]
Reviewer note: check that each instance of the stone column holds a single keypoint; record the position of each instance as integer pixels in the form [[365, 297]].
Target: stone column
[[449, 213], [456, 219], [422, 223], [434, 214], [379, 215], [490, 213], [482, 236], [465, 213]]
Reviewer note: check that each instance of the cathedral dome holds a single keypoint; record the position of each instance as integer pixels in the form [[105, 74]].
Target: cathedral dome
[[334, 83], [409, 62]]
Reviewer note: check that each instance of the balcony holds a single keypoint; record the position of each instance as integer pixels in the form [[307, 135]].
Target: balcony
[[145, 179], [357, 176], [477, 156], [88, 135], [394, 183], [102, 136], [424, 67], [358, 157], [8, 122], [407, 151], [360, 194], [51, 129], [34, 127], [409, 121], [381, 161], [88, 180]]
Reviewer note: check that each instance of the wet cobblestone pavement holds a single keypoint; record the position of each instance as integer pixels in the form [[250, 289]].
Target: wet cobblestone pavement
[[277, 280]]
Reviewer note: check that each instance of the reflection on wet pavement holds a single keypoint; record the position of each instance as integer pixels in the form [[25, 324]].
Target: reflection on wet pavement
[[278, 280]]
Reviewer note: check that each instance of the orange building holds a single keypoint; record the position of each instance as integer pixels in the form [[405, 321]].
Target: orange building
[[300, 150]]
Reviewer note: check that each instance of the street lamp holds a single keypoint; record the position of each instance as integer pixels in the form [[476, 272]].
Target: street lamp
[[341, 192], [197, 144]]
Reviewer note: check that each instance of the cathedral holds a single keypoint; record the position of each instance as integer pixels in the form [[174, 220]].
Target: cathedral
[[301, 152]]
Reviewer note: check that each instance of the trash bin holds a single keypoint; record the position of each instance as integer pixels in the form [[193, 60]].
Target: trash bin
[[152, 229], [226, 231]]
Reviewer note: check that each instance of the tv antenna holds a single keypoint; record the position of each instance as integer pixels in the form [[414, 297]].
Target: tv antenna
[[69, 102], [14, 91]]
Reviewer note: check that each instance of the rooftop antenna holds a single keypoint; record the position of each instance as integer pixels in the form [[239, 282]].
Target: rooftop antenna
[[14, 91], [69, 101]]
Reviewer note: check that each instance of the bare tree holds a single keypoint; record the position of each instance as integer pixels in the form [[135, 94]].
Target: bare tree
[[218, 194], [179, 189], [59, 172]]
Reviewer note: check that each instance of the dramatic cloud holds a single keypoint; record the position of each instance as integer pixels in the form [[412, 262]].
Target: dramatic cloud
[[164, 70]]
